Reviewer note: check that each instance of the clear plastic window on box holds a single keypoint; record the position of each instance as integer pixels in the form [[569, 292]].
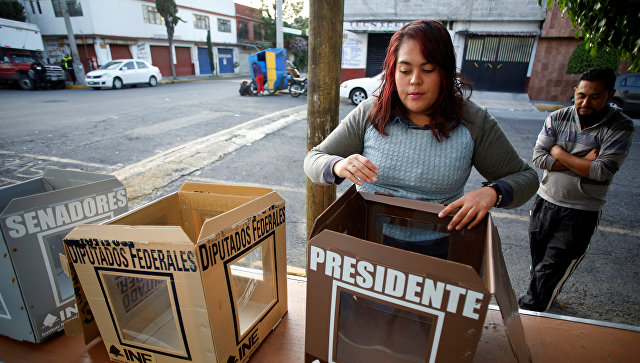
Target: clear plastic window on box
[[413, 235], [52, 246], [143, 308], [371, 331], [253, 284]]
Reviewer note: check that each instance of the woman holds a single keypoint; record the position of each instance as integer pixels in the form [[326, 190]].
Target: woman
[[421, 136]]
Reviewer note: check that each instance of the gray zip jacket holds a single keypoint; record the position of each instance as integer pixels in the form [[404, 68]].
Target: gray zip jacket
[[493, 155]]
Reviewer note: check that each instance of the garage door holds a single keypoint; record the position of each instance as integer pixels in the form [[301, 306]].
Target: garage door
[[120, 51], [160, 58], [203, 61], [85, 51], [225, 60], [184, 67], [376, 52]]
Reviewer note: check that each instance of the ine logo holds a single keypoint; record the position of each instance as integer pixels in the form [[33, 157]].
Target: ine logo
[[115, 351], [126, 355], [49, 320]]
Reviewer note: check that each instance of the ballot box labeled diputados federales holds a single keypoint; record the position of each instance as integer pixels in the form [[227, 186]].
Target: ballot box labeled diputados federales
[[36, 296], [388, 282], [199, 275]]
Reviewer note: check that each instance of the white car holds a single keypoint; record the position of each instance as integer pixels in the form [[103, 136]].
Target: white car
[[123, 72], [359, 89]]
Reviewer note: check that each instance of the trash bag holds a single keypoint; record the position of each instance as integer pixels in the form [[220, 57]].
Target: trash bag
[[245, 88]]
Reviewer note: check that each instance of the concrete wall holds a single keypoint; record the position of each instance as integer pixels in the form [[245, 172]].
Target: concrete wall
[[518, 10], [124, 18]]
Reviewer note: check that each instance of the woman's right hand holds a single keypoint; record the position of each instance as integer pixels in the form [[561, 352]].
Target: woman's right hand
[[356, 168]]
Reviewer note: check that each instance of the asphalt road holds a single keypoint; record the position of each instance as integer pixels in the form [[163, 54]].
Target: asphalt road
[[155, 139]]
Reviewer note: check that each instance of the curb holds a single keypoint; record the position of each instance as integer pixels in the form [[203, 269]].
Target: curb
[[549, 108]]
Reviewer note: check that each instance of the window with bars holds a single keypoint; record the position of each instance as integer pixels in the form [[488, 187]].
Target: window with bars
[[201, 22], [243, 30], [224, 25], [73, 6], [151, 15], [257, 32]]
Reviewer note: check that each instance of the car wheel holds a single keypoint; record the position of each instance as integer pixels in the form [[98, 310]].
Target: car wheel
[[25, 82], [117, 83], [295, 90], [616, 102], [357, 95], [153, 81], [254, 88]]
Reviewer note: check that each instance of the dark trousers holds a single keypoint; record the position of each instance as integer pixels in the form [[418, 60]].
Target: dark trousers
[[559, 237], [72, 75]]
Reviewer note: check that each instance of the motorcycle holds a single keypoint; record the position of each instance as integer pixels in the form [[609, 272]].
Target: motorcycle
[[297, 86]]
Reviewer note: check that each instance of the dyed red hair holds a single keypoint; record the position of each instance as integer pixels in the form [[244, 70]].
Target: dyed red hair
[[437, 48]]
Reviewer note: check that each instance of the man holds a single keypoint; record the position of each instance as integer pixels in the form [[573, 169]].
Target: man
[[580, 148], [67, 61], [39, 73], [259, 76]]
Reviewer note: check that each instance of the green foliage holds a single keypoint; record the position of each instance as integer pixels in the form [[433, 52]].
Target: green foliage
[[12, 10], [612, 25], [292, 19], [581, 59], [169, 11], [210, 51]]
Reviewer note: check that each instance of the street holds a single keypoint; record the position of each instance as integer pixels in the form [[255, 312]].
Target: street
[[155, 139]]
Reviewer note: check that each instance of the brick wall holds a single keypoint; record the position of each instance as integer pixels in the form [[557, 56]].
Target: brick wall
[[549, 81]]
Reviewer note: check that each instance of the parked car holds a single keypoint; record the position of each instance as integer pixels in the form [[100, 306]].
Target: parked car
[[124, 72], [15, 67], [359, 89], [627, 95]]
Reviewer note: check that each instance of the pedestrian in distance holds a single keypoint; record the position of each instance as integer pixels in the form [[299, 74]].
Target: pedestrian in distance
[[422, 135], [580, 148], [67, 62], [259, 77], [39, 74]]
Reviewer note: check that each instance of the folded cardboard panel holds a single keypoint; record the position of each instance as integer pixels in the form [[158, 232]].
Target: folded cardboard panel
[[386, 281], [198, 275], [36, 296]]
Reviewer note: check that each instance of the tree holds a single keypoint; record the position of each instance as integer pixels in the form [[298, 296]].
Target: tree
[[290, 9], [606, 25], [12, 10], [169, 11], [581, 60], [210, 51]]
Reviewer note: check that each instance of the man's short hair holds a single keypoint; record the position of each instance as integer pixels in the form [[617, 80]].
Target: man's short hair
[[604, 75]]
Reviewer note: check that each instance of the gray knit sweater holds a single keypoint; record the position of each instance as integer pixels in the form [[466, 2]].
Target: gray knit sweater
[[492, 155], [612, 136]]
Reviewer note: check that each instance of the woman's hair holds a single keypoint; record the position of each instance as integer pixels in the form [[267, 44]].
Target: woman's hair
[[437, 48]]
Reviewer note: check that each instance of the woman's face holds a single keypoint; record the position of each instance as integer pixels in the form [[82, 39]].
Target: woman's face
[[417, 81]]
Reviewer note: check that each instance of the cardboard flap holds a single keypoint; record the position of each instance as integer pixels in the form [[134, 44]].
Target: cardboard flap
[[499, 284], [40, 191], [56, 179], [142, 234], [229, 219], [190, 225], [84, 323]]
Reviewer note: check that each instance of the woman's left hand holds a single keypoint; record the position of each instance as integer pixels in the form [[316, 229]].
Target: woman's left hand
[[473, 208]]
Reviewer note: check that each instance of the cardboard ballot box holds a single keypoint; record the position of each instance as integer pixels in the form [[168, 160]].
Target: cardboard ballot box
[[198, 275], [36, 297], [387, 282]]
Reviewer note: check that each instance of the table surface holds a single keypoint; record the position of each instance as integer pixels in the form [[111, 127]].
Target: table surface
[[548, 338]]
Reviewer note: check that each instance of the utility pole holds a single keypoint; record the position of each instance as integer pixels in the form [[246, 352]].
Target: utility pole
[[325, 57], [77, 65], [279, 36]]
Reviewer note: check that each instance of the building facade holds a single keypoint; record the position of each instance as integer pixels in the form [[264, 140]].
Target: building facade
[[250, 30], [494, 40], [106, 30]]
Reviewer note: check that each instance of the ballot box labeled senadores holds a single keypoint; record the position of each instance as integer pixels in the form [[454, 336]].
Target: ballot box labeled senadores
[[36, 296]]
